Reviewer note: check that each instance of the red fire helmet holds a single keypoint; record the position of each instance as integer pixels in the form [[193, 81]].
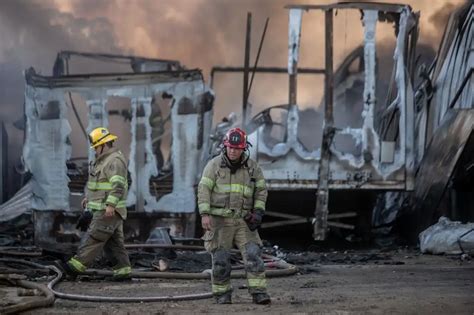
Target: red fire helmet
[[235, 138]]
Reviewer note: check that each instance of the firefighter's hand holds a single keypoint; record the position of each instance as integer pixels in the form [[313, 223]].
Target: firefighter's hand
[[84, 221], [109, 211], [254, 219], [84, 203], [206, 222]]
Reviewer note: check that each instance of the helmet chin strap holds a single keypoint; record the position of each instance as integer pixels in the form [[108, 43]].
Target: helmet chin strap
[[101, 151]]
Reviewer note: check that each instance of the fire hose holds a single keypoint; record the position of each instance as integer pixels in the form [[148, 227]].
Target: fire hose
[[272, 262], [206, 274], [20, 307], [93, 298]]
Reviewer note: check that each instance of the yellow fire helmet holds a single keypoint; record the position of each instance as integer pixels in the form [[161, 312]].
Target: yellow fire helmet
[[100, 136]]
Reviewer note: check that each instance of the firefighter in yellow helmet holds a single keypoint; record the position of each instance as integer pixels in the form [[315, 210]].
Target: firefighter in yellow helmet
[[231, 200], [105, 209]]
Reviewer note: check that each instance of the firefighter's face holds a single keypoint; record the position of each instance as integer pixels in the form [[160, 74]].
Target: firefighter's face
[[234, 154]]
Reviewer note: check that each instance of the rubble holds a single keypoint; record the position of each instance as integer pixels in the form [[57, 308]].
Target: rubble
[[19, 204], [411, 143]]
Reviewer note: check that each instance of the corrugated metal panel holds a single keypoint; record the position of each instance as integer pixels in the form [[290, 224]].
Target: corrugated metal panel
[[454, 63], [18, 204]]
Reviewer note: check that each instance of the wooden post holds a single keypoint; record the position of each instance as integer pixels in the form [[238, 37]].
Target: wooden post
[[321, 212], [246, 69]]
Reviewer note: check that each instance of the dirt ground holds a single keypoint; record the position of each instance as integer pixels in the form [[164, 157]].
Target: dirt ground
[[361, 282]]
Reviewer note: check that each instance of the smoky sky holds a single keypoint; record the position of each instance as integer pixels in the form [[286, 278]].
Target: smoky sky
[[199, 33], [31, 35]]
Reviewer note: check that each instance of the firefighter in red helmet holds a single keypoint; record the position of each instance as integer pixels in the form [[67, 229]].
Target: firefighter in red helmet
[[231, 199]]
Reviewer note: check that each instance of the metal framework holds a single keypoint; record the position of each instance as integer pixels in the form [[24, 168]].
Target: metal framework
[[380, 163]]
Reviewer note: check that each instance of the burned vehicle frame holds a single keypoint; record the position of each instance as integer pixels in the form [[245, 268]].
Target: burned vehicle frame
[[47, 147]]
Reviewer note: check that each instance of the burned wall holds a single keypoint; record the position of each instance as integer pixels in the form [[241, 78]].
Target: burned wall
[[289, 164], [47, 147]]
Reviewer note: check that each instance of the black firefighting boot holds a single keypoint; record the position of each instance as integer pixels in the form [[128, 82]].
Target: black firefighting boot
[[225, 298], [261, 298]]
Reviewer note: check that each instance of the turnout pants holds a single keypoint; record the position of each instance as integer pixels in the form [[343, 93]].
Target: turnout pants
[[105, 233], [225, 233]]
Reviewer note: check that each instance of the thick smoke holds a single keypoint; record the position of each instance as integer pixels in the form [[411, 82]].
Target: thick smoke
[[440, 18], [32, 34]]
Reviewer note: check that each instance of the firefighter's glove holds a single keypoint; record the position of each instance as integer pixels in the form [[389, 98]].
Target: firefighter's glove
[[254, 219], [84, 221]]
